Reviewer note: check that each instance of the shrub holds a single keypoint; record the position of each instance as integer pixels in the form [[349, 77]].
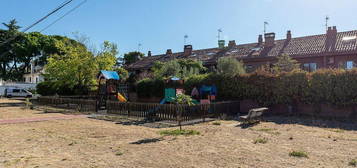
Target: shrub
[[335, 87], [299, 154], [228, 66], [46, 88], [150, 87], [216, 123], [260, 140], [353, 163]]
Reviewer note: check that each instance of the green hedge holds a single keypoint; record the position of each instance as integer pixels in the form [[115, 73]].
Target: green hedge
[[336, 87], [49, 88]]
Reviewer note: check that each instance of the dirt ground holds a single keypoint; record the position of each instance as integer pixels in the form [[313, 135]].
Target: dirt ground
[[90, 143]]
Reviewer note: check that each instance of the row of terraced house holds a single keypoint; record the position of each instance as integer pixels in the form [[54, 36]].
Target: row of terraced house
[[331, 50]]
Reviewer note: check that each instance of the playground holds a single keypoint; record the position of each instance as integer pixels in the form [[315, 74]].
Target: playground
[[74, 142]]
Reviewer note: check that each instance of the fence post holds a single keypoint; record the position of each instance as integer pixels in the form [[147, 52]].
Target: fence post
[[179, 115], [128, 106]]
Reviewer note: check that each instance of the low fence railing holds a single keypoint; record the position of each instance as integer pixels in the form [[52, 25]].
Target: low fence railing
[[151, 111], [81, 105]]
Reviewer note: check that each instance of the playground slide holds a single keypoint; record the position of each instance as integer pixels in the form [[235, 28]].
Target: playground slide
[[121, 98], [163, 101]]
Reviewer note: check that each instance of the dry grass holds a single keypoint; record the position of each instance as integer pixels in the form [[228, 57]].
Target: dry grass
[[92, 143]]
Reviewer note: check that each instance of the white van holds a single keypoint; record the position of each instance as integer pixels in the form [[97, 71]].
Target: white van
[[17, 92]]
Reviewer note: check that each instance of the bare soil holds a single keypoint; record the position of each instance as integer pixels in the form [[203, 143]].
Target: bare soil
[[90, 143]]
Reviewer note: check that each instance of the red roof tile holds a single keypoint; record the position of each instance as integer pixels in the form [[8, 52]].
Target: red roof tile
[[301, 46]]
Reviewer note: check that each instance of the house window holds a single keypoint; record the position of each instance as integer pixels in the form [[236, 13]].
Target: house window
[[349, 65], [30, 79], [249, 68], [310, 67], [36, 79]]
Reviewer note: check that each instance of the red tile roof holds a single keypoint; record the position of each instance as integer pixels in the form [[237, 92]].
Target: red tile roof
[[302, 46]]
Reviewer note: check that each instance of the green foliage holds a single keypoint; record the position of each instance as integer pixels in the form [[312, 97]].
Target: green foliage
[[261, 140], [228, 66], [335, 87], [285, 64], [106, 58], [183, 68], [178, 132], [150, 88], [184, 99], [300, 154], [132, 57], [75, 69], [353, 163], [216, 123], [123, 73]]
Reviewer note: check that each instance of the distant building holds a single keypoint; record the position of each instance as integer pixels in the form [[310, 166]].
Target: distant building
[[34, 74], [331, 50]]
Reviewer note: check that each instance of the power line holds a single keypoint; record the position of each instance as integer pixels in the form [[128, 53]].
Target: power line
[[69, 12], [37, 22]]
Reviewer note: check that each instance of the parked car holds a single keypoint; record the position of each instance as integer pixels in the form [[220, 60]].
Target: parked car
[[16, 92]]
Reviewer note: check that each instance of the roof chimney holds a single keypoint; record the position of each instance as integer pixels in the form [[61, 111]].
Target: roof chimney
[[221, 43], [187, 50], [232, 43], [269, 39], [331, 36], [260, 39], [149, 53], [288, 35], [168, 52]]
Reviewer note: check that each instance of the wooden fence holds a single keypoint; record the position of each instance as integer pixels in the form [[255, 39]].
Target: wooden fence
[[81, 105], [150, 111]]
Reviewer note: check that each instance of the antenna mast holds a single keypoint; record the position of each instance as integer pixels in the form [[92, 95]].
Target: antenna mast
[[139, 47], [219, 34], [185, 39], [265, 26], [326, 21]]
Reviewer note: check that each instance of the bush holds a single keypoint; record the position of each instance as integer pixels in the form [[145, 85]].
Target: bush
[[228, 66], [49, 88], [151, 88], [299, 154], [260, 140], [353, 163], [335, 87], [46, 88]]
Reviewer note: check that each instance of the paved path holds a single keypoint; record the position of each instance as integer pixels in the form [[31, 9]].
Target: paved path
[[27, 120]]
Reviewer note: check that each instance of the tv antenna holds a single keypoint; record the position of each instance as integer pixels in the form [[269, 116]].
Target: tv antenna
[[139, 47], [265, 26], [327, 18], [185, 39], [219, 34]]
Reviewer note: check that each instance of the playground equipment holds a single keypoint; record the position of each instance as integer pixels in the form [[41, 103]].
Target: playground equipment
[[208, 94], [174, 87], [109, 89]]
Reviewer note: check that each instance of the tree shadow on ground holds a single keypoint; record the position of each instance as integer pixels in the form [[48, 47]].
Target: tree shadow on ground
[[313, 122], [147, 140]]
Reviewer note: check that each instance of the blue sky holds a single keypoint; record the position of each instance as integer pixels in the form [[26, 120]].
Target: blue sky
[[161, 24]]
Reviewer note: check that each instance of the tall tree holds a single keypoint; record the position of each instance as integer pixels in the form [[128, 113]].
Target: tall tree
[[230, 66], [285, 64], [132, 57]]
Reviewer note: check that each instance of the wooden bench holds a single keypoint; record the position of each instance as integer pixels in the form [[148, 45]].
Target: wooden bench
[[254, 114]]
